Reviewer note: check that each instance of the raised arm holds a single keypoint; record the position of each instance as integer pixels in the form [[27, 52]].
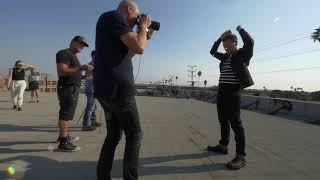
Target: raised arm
[[10, 78], [137, 42], [214, 51], [248, 42], [28, 67]]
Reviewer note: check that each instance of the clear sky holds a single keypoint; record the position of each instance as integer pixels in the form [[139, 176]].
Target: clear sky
[[35, 30]]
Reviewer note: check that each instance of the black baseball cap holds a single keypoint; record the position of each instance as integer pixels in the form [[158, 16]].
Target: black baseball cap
[[81, 40]]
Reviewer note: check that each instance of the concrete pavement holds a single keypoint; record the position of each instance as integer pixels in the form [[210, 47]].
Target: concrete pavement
[[176, 133]]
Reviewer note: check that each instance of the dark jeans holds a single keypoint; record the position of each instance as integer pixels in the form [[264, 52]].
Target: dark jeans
[[228, 106], [90, 111], [121, 115]]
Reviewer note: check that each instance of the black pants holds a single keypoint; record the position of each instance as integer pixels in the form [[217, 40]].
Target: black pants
[[121, 115], [228, 106]]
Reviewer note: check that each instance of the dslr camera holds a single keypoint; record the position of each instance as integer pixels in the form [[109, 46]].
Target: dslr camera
[[154, 24]]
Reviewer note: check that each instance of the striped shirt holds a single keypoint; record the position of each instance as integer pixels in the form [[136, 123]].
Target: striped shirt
[[227, 75]]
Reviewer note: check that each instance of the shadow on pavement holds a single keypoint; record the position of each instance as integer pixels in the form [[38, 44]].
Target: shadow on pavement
[[16, 128], [44, 168], [4, 149], [6, 109]]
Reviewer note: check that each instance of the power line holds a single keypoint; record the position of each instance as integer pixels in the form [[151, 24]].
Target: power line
[[269, 47], [281, 44], [289, 70], [285, 56], [279, 71], [279, 57]]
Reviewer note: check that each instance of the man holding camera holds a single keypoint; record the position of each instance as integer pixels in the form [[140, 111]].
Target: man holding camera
[[234, 76], [70, 74], [113, 79]]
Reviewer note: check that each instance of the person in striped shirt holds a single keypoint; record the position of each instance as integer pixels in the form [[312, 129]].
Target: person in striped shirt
[[234, 76]]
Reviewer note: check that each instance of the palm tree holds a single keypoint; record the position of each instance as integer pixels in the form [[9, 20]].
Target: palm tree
[[316, 35], [170, 81], [177, 80], [199, 74]]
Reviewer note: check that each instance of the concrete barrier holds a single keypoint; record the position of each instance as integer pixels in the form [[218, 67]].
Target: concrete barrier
[[308, 111]]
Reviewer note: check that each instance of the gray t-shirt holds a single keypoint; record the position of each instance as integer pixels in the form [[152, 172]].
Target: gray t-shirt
[[34, 77]]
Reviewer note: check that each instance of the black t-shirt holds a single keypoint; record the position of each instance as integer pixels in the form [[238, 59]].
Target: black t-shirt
[[113, 71], [69, 58], [18, 74]]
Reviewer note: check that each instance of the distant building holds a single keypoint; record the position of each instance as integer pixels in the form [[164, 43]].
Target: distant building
[[4, 82], [47, 83]]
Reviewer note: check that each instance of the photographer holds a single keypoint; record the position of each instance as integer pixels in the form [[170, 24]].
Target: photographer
[[113, 81], [234, 76], [69, 71]]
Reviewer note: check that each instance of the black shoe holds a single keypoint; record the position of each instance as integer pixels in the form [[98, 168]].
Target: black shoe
[[218, 149], [14, 107], [19, 109], [237, 163], [67, 147], [88, 128], [97, 124], [70, 138]]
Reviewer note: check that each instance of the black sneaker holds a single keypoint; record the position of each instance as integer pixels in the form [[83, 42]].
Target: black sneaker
[[70, 138], [88, 128], [237, 163], [19, 109], [218, 149], [97, 124], [67, 147], [14, 107]]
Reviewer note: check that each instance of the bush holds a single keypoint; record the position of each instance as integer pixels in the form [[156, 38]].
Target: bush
[[315, 96]]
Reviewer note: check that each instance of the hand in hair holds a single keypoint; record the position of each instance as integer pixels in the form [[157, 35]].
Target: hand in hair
[[239, 28], [228, 32]]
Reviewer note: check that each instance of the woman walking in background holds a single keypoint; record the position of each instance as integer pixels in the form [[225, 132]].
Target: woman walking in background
[[34, 79], [17, 83]]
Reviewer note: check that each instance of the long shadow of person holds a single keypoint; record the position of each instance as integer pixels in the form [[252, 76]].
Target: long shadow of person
[[17, 128], [5, 146], [36, 167]]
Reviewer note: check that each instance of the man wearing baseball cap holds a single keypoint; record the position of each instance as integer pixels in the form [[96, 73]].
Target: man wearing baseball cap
[[70, 74]]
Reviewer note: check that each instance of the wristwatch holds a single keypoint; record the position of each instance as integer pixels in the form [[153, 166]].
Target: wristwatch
[[144, 29]]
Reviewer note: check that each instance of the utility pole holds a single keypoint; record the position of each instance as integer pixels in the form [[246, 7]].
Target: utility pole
[[192, 71]]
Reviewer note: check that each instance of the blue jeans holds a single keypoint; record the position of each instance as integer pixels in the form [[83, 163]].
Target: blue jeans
[[90, 111]]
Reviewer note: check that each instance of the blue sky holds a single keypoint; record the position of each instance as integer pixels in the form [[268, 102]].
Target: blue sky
[[35, 30]]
